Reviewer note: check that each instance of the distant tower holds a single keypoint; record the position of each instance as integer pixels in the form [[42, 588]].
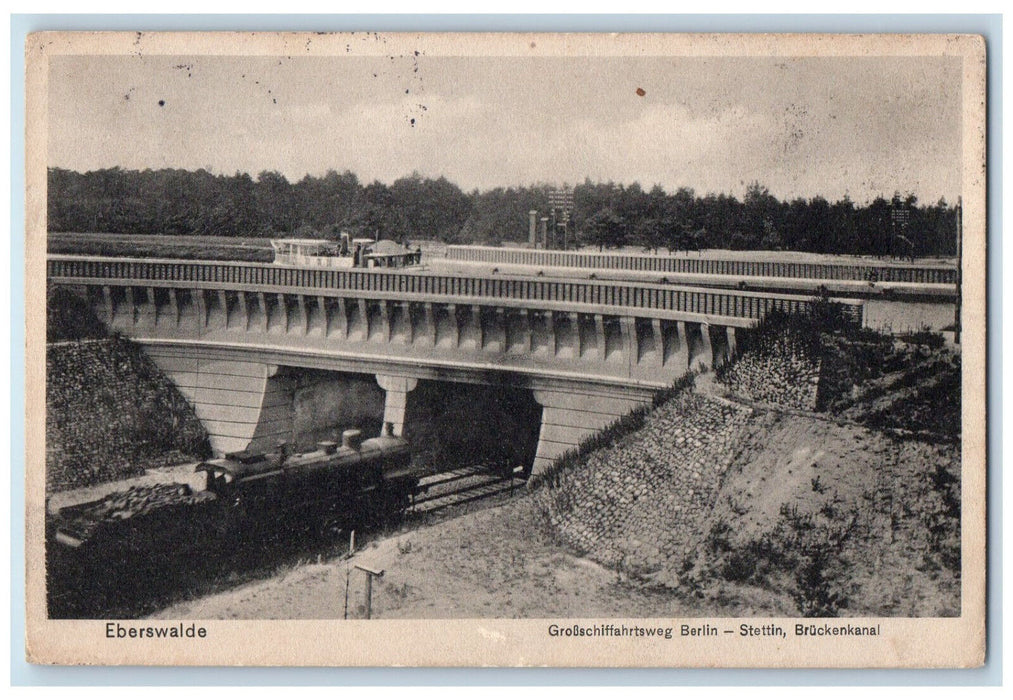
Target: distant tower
[[561, 202], [533, 228]]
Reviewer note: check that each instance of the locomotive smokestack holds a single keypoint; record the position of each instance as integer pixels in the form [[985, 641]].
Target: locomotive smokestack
[[351, 439]]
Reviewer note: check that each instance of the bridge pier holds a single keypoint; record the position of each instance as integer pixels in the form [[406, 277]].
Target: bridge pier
[[678, 345], [396, 400], [428, 324], [110, 309], [527, 331]]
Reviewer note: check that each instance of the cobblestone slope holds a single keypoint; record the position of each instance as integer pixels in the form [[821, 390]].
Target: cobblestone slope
[[638, 504], [110, 413], [784, 378]]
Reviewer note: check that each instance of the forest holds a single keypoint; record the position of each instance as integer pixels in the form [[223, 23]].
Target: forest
[[413, 208]]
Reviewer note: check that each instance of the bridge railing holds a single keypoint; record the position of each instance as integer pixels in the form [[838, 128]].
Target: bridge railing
[[916, 274], [258, 276]]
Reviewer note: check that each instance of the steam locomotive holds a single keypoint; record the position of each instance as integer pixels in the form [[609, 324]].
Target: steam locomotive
[[329, 490]]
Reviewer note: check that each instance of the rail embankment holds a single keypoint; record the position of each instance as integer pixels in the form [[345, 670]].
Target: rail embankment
[[704, 505], [110, 412]]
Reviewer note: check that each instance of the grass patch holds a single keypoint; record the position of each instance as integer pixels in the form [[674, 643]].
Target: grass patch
[[111, 413], [69, 317], [801, 554], [67, 244]]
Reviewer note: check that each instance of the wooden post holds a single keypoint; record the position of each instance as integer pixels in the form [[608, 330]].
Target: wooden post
[[370, 574], [369, 596], [348, 573]]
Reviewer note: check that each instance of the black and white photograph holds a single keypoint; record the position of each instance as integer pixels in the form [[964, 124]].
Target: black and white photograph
[[517, 349]]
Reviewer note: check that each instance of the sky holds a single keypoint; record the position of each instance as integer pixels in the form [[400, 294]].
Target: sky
[[802, 127]]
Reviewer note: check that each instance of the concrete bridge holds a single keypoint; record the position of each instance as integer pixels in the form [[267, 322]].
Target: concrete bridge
[[229, 333]]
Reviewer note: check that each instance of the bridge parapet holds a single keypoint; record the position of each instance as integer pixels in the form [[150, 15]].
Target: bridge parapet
[[831, 271]]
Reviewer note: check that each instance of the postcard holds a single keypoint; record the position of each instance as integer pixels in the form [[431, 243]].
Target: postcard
[[572, 350]]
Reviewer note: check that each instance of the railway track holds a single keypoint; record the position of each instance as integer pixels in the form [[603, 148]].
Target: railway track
[[445, 490]]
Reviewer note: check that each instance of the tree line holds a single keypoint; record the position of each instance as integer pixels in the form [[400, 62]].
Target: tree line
[[607, 215]]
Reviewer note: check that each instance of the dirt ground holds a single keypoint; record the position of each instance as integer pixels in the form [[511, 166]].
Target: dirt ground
[[848, 477], [494, 563]]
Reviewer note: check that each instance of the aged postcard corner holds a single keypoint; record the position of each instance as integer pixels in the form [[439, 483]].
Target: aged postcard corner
[[511, 350]]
